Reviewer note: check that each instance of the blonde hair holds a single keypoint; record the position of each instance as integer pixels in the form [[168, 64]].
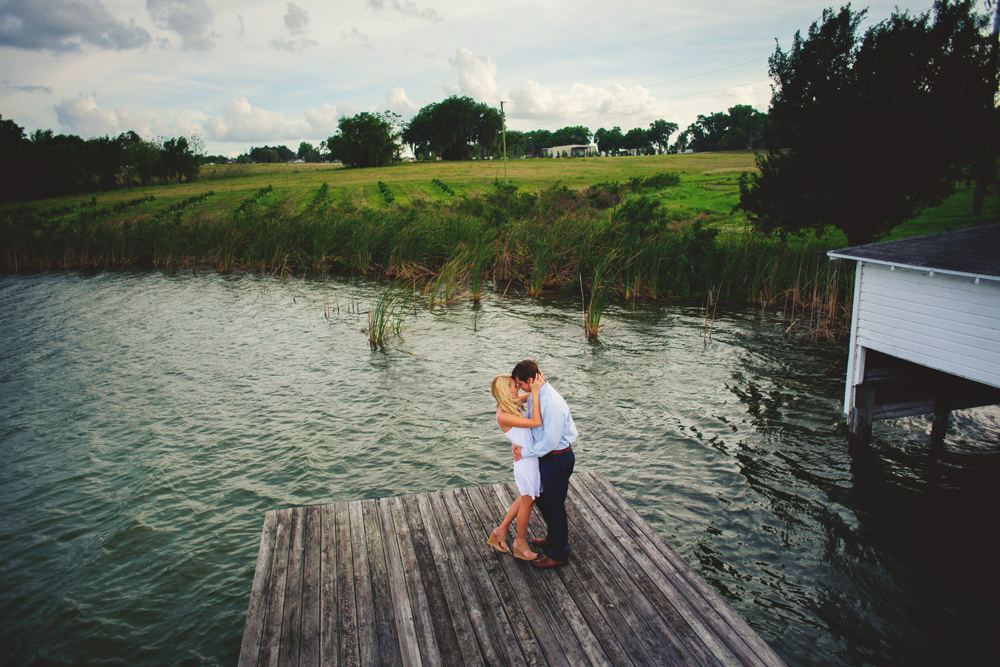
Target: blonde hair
[[500, 388]]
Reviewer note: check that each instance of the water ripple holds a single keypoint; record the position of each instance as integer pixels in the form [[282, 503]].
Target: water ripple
[[151, 419]]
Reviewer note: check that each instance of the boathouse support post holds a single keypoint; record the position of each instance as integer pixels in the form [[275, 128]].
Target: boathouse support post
[[939, 426], [860, 417]]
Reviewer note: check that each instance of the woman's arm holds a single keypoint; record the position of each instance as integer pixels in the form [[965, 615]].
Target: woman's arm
[[505, 419]]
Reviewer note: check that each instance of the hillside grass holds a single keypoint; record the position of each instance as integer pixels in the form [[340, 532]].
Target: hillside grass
[[708, 187], [708, 181]]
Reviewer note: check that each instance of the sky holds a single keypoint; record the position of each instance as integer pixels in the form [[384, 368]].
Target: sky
[[243, 73]]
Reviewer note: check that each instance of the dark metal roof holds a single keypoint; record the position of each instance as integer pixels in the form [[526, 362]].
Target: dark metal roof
[[974, 251]]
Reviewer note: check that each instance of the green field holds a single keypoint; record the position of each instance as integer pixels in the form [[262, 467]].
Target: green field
[[708, 181], [708, 187]]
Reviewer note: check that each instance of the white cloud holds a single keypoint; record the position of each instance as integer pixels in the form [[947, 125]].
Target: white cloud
[[190, 19], [322, 122], [592, 106], [476, 76], [83, 116], [240, 121], [743, 95], [397, 101]]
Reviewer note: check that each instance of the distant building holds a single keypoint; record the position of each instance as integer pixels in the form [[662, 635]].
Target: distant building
[[571, 150]]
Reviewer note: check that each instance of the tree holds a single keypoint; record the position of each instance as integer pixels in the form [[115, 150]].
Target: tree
[[577, 134], [659, 134], [11, 140], [178, 161], [609, 141], [864, 132], [366, 140], [452, 127], [307, 152], [737, 129], [271, 154], [637, 139]]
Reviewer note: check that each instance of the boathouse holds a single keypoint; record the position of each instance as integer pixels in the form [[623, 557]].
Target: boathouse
[[925, 328]]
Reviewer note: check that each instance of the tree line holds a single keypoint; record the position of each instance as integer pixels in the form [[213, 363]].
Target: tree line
[[459, 128], [45, 164]]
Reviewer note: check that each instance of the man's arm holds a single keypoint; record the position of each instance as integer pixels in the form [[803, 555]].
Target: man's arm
[[553, 427]]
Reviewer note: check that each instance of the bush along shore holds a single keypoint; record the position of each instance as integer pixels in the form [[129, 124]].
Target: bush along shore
[[609, 242]]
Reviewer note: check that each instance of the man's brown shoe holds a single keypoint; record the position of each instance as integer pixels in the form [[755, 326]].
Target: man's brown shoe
[[548, 562], [540, 542]]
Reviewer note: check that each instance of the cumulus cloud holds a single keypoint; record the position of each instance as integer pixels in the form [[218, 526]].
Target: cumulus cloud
[[241, 121], [296, 22], [742, 95], [322, 122], [584, 104], [405, 9], [64, 25], [189, 19], [397, 101], [476, 76], [84, 117]]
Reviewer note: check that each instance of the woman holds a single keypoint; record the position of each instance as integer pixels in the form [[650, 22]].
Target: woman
[[517, 428]]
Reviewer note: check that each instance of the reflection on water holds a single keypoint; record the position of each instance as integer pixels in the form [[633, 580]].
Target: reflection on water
[[150, 420]]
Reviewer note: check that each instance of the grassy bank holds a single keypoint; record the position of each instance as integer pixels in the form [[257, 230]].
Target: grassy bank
[[622, 228]]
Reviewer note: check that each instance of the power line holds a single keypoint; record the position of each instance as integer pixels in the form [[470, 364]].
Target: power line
[[694, 76]]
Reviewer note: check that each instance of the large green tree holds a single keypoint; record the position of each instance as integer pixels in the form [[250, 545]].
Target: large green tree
[[453, 127], [576, 134], [609, 141], [737, 129], [865, 131], [366, 140], [659, 134]]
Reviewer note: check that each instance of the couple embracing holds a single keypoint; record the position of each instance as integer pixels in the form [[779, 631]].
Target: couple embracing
[[537, 421]]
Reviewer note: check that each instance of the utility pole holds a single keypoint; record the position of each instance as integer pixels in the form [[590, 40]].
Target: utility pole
[[503, 118]]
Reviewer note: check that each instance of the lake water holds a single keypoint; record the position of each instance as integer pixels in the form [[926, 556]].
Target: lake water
[[149, 420]]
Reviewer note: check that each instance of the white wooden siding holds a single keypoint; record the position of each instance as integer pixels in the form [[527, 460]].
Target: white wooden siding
[[941, 322]]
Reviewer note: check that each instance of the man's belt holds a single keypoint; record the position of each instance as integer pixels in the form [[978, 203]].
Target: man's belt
[[559, 451]]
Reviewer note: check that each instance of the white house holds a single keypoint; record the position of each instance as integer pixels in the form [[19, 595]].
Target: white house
[[925, 328], [572, 150]]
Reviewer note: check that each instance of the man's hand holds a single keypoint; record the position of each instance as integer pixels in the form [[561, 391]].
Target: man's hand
[[516, 451]]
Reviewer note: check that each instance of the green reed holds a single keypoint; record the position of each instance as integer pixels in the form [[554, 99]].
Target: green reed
[[638, 246], [386, 315], [600, 283]]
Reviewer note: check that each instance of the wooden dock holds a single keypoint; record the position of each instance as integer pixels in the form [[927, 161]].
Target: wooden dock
[[410, 581]]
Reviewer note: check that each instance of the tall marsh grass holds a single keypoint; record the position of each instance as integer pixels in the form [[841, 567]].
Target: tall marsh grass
[[610, 240], [386, 315]]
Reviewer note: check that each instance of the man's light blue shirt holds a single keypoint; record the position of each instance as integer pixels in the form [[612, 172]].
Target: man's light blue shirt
[[557, 430]]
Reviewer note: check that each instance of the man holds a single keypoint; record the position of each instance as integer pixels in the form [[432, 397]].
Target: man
[[552, 445]]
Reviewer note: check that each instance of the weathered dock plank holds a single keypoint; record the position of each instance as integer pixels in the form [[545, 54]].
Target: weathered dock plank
[[410, 581]]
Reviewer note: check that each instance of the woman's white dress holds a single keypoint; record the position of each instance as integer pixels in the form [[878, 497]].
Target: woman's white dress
[[526, 470]]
